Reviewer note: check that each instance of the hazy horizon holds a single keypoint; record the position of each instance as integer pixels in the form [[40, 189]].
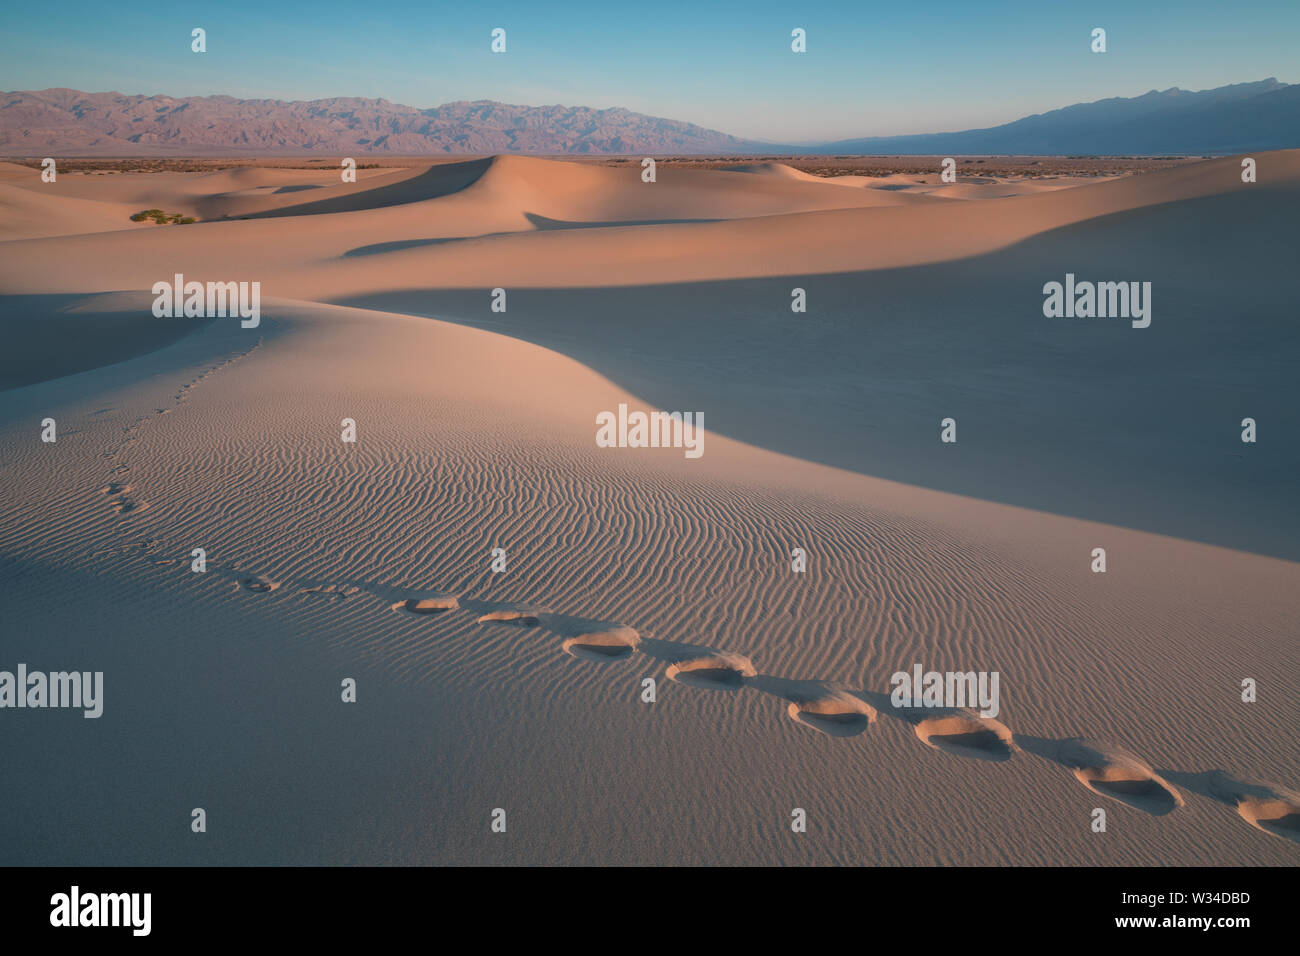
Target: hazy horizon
[[865, 73]]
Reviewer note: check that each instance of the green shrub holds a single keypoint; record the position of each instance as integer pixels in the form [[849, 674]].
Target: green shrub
[[162, 218]]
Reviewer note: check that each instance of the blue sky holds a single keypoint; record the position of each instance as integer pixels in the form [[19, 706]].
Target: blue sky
[[871, 68]]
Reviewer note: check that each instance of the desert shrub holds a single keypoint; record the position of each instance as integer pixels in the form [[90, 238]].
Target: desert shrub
[[161, 218]]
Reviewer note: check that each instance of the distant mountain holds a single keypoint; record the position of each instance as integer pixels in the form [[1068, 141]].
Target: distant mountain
[[60, 122], [68, 122], [1230, 119]]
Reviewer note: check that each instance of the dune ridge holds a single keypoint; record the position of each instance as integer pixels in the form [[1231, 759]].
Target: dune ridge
[[477, 689]]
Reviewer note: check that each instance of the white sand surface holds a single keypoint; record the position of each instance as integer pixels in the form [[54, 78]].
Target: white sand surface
[[476, 431]]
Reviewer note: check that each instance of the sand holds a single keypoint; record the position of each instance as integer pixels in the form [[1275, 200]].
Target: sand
[[525, 689]]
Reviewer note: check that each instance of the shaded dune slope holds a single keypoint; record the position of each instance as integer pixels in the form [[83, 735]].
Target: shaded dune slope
[[651, 565]]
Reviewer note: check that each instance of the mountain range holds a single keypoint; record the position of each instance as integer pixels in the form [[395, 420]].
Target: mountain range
[[1229, 119], [64, 122]]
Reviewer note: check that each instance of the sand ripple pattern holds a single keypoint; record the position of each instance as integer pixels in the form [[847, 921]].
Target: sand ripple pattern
[[382, 549]]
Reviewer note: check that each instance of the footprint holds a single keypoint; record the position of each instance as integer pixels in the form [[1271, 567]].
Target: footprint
[[432, 604], [115, 488], [715, 671], [260, 583], [1278, 817], [336, 591], [965, 733], [519, 617], [1114, 772], [837, 714], [614, 644], [1265, 806], [126, 506]]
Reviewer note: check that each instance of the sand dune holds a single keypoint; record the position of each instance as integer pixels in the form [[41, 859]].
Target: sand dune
[[911, 184], [229, 193], [373, 560], [587, 193], [775, 228], [28, 214], [506, 193]]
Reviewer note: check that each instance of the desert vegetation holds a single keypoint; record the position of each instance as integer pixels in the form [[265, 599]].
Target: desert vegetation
[[162, 218]]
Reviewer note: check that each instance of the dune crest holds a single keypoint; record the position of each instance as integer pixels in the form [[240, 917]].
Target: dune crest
[[324, 560]]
